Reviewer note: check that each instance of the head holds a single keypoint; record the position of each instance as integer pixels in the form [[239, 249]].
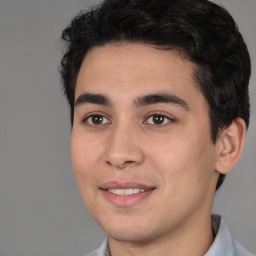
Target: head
[[158, 92], [201, 31]]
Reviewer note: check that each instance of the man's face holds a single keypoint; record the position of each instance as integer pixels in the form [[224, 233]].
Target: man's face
[[141, 146]]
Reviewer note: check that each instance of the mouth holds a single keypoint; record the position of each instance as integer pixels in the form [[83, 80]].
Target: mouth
[[125, 194]]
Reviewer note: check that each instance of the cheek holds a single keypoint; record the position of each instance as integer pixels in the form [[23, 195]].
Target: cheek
[[183, 160], [169, 154], [85, 154]]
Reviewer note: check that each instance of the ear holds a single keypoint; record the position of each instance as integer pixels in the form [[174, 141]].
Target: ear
[[231, 143]]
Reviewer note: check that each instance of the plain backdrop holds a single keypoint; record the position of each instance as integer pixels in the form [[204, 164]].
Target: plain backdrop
[[41, 212]]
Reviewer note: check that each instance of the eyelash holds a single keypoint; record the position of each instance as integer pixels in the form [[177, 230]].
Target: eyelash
[[87, 118], [167, 120]]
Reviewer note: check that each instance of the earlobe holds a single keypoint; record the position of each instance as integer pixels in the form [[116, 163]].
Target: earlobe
[[231, 143]]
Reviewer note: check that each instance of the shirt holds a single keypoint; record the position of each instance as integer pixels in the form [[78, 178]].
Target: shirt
[[223, 245]]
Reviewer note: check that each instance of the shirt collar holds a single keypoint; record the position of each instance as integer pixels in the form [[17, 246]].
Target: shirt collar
[[222, 244]]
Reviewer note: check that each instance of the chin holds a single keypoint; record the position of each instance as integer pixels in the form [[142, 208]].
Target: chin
[[130, 238], [130, 233]]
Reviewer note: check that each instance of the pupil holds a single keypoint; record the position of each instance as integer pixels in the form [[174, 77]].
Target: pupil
[[97, 119], [158, 119]]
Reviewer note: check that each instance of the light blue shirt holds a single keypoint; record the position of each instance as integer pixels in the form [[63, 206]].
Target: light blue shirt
[[223, 244]]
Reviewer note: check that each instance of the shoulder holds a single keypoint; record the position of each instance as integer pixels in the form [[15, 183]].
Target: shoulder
[[103, 250], [239, 250], [223, 244]]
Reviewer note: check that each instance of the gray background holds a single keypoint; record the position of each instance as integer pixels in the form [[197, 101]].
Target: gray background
[[41, 212]]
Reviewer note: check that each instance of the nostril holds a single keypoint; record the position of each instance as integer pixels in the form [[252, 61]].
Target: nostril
[[108, 163], [129, 162], [120, 165]]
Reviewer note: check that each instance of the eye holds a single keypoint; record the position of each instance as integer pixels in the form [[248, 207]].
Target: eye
[[158, 119], [96, 119]]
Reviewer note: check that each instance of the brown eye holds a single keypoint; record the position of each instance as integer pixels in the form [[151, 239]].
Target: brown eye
[[158, 119], [96, 120]]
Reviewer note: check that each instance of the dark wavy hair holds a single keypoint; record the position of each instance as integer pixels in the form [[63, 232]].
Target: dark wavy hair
[[202, 31]]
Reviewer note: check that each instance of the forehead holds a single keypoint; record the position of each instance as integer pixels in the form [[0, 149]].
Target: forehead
[[129, 55], [133, 69]]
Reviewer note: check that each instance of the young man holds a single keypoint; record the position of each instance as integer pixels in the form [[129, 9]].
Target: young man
[[159, 102]]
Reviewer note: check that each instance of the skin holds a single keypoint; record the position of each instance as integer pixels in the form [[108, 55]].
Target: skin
[[124, 141]]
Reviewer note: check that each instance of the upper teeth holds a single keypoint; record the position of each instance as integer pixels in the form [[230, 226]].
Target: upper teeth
[[128, 191]]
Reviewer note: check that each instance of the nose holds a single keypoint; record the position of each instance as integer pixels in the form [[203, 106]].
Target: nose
[[124, 148]]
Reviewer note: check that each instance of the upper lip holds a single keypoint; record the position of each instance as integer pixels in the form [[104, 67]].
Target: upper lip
[[124, 185]]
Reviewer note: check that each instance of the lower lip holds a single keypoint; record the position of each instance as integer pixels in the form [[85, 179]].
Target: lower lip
[[126, 200]]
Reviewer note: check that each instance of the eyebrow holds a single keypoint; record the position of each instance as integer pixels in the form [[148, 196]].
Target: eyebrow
[[144, 100], [98, 99], [150, 99]]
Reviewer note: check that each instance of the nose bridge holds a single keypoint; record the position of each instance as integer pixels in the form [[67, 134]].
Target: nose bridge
[[123, 147]]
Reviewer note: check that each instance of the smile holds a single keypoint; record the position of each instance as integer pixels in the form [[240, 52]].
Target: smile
[[124, 192]]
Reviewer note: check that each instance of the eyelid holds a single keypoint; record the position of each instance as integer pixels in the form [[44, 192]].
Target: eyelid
[[170, 118], [91, 114]]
